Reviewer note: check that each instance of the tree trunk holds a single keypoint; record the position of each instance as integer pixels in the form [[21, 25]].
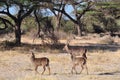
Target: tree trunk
[[17, 35], [57, 24], [79, 29]]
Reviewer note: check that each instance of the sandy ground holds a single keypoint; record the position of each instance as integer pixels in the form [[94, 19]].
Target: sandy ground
[[102, 65], [17, 66]]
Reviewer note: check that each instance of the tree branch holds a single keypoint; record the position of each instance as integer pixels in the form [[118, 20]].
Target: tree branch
[[85, 10], [5, 21], [65, 14], [29, 12]]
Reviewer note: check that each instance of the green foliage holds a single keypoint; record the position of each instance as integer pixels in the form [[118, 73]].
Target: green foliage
[[87, 21], [108, 4], [111, 24], [69, 27], [104, 19], [28, 24], [7, 30]]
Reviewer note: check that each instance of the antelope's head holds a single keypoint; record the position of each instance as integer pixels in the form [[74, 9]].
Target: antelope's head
[[65, 47]]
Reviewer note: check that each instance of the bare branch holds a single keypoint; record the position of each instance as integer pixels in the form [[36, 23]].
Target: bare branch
[[62, 11], [5, 21]]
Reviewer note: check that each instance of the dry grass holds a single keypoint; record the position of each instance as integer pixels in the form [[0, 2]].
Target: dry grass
[[17, 66], [37, 77], [102, 65]]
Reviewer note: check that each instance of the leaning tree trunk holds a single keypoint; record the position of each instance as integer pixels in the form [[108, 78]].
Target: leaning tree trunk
[[79, 29], [17, 34], [57, 25]]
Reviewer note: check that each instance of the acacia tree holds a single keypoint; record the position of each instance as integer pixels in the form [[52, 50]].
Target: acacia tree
[[24, 9], [58, 15], [80, 8], [108, 14], [22, 12]]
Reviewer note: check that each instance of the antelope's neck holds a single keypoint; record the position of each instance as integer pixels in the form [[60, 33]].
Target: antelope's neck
[[67, 49], [32, 58]]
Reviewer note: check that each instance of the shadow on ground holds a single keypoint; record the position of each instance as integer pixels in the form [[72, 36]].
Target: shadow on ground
[[59, 47], [110, 73]]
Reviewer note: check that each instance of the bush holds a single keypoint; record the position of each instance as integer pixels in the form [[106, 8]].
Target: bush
[[68, 27]]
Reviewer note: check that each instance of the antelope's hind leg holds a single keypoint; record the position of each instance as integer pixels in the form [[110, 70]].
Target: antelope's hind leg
[[49, 69], [44, 68], [74, 68], [36, 70]]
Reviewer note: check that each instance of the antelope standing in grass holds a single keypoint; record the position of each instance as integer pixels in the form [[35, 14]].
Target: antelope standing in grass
[[78, 57], [76, 52], [78, 60], [43, 61]]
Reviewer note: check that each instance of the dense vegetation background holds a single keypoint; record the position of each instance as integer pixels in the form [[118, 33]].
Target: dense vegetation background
[[97, 16]]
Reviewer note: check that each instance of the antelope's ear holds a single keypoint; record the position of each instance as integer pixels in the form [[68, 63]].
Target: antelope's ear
[[32, 53], [70, 52]]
